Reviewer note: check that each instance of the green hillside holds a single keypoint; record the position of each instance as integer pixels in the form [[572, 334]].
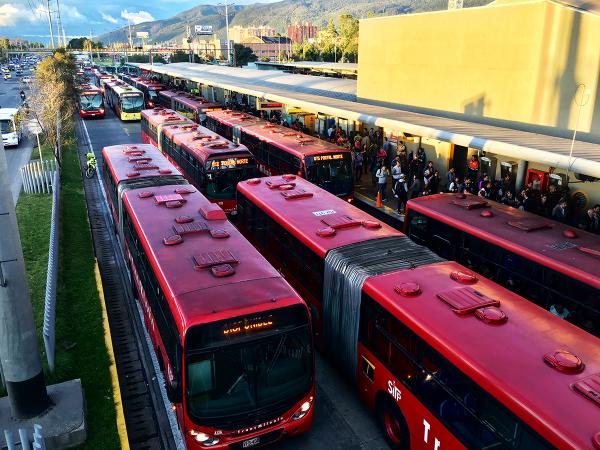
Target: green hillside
[[276, 15]]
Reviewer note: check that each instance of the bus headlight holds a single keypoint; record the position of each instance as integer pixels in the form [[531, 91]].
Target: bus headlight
[[303, 410], [205, 439]]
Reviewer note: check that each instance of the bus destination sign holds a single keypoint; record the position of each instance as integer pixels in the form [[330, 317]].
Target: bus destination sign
[[328, 157], [229, 163]]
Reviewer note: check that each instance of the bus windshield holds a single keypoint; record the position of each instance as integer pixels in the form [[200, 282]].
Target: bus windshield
[[90, 102], [7, 126], [152, 95], [132, 103], [332, 172], [238, 379], [221, 184]]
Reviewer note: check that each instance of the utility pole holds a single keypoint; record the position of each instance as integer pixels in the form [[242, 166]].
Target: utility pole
[[19, 351], [227, 30], [50, 22], [62, 26], [58, 34], [189, 41]]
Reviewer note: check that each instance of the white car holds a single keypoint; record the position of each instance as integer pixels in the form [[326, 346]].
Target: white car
[[11, 133], [26, 79]]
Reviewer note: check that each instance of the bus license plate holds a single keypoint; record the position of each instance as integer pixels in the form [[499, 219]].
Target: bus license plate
[[251, 442]]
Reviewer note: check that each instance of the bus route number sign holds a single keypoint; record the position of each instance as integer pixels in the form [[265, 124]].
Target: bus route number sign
[[325, 212], [228, 163], [328, 157]]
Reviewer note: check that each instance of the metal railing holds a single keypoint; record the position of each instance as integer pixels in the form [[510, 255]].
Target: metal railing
[[38, 176], [37, 443], [49, 330]]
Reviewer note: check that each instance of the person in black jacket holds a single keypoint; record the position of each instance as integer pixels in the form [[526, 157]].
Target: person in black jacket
[[400, 190]]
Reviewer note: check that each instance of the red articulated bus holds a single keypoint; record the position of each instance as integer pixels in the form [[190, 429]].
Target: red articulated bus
[[279, 150], [128, 167], [213, 164], [445, 358], [194, 107], [233, 339], [91, 102], [153, 121], [550, 263], [165, 97]]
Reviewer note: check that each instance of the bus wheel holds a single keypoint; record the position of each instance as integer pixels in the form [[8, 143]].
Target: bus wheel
[[393, 425]]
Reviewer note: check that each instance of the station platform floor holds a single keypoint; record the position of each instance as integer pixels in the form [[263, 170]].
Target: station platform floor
[[365, 195]]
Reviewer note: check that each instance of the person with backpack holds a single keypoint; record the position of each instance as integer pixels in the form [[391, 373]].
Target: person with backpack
[[400, 190]]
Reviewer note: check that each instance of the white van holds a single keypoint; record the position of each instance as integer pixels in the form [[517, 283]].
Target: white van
[[11, 132]]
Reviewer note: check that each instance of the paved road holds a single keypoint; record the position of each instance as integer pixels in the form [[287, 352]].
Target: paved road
[[341, 420], [19, 156]]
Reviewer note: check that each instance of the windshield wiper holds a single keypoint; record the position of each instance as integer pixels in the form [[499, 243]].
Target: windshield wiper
[[239, 379], [277, 353]]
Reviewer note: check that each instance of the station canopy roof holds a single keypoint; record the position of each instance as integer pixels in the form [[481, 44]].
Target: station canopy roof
[[313, 65], [336, 97]]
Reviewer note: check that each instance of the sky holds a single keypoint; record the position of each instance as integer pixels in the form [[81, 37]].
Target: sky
[[28, 19]]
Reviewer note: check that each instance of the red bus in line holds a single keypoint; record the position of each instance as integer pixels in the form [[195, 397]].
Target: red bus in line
[[445, 358], [233, 339], [213, 164], [150, 88], [550, 263], [194, 107], [126, 167], [91, 102], [279, 150], [101, 78], [165, 97], [153, 121]]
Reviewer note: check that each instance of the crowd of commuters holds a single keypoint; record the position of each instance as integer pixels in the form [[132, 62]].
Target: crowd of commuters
[[408, 174]]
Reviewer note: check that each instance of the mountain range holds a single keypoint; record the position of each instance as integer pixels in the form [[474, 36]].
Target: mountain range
[[276, 15]]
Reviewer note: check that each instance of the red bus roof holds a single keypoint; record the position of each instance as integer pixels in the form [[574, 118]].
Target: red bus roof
[[304, 217], [203, 144], [128, 162], [150, 84], [545, 242], [196, 102], [294, 142], [195, 294], [233, 118], [168, 93], [160, 116], [506, 360]]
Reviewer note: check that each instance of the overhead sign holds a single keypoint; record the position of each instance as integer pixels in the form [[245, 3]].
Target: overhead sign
[[293, 110], [203, 29], [266, 105], [142, 34]]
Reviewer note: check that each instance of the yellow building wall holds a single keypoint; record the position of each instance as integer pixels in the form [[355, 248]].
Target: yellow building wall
[[519, 62]]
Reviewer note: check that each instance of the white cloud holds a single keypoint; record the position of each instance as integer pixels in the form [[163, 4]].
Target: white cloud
[[110, 18], [12, 15], [70, 13], [137, 17]]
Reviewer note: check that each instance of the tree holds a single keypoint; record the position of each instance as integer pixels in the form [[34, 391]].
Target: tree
[[180, 56], [243, 55], [54, 95], [349, 37]]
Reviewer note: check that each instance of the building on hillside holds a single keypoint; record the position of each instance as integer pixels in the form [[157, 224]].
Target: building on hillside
[[270, 47], [301, 32], [241, 34]]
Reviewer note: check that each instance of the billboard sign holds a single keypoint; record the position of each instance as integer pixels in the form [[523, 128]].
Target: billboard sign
[[203, 29], [142, 35]]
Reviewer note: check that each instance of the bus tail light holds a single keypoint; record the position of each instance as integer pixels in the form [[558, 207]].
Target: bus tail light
[[101, 110], [303, 410], [205, 439]]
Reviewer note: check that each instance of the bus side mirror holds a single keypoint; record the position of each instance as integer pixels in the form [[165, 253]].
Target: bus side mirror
[[173, 389]]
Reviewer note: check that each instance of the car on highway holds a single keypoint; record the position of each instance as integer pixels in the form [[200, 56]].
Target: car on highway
[[26, 79], [9, 126], [7, 75]]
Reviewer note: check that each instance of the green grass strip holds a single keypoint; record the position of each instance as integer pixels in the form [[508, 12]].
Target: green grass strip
[[80, 348]]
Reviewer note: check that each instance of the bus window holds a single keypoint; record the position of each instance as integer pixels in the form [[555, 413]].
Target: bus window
[[418, 228]]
